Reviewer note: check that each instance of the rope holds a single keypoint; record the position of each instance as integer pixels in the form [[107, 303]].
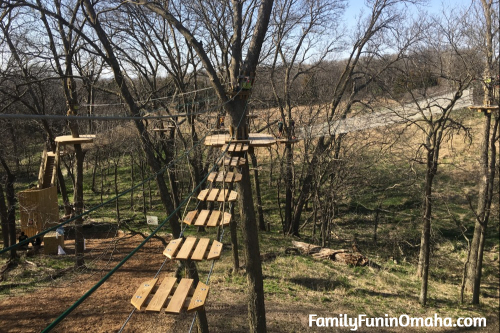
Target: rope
[[153, 99]]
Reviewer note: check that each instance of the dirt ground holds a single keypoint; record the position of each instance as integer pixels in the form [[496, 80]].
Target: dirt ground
[[31, 309], [109, 306]]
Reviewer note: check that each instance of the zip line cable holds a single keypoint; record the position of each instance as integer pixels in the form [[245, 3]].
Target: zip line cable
[[186, 152], [114, 117], [153, 99]]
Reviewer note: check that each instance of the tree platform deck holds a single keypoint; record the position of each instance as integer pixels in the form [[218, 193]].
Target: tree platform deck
[[255, 140]]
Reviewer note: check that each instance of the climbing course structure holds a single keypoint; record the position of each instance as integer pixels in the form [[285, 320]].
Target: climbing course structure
[[39, 208], [189, 294]]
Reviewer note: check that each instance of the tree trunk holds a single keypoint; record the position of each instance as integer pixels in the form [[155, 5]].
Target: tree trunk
[[15, 144], [78, 199], [144, 209], [11, 206], [484, 227], [4, 220], [262, 224], [117, 201], [144, 136], [233, 226], [256, 308], [481, 204], [307, 184], [102, 183], [132, 181], [423, 262], [289, 226]]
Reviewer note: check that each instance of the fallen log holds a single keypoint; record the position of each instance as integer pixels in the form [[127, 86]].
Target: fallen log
[[343, 256], [306, 248]]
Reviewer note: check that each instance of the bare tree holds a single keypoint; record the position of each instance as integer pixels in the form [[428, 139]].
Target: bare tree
[[296, 55], [366, 62], [437, 57], [482, 36], [236, 110], [9, 212]]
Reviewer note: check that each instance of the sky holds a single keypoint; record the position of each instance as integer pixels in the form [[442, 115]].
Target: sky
[[434, 6]]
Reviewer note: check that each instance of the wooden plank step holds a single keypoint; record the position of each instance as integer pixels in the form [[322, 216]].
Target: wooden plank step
[[141, 295], [160, 298], [209, 218], [196, 249], [203, 194], [172, 248], [186, 249], [201, 248], [236, 147], [190, 217], [202, 218], [215, 251], [222, 195], [216, 194], [171, 298], [214, 219], [179, 296], [223, 176], [234, 161], [285, 141], [237, 141], [212, 196], [199, 297], [256, 140]]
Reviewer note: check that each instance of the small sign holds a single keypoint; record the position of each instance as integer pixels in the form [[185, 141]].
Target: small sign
[[152, 220]]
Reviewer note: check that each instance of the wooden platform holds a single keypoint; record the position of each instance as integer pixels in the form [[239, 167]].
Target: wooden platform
[[207, 218], [217, 194], [224, 177], [256, 140], [193, 249], [169, 296], [233, 161], [285, 141], [162, 129], [69, 140], [235, 147], [484, 108]]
